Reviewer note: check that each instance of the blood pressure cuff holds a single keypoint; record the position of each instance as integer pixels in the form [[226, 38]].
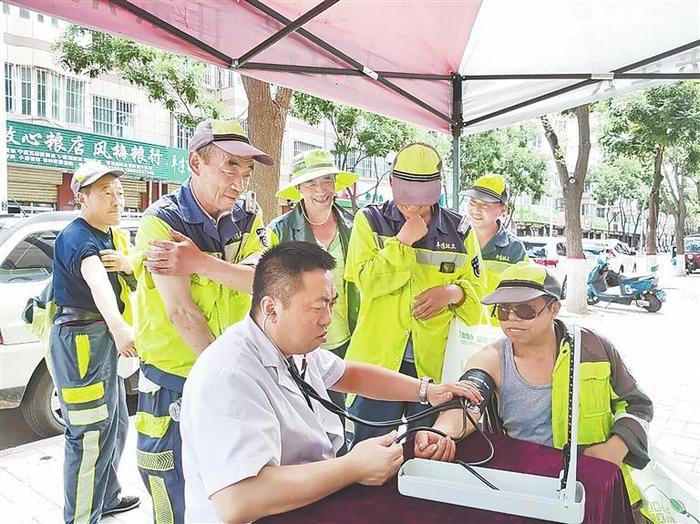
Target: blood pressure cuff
[[483, 382]]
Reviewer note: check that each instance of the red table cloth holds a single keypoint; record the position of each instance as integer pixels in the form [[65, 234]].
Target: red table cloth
[[606, 495]]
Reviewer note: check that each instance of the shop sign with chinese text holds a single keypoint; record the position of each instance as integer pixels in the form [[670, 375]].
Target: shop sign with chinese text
[[43, 146]]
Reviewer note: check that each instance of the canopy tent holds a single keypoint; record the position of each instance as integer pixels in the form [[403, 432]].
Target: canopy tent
[[447, 65]]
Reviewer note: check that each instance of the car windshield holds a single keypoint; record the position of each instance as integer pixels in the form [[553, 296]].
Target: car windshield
[[692, 246], [535, 249]]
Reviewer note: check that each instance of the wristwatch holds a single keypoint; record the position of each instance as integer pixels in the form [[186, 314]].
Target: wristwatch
[[423, 390]]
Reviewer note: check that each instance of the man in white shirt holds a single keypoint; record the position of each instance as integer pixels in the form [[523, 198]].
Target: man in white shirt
[[254, 444]]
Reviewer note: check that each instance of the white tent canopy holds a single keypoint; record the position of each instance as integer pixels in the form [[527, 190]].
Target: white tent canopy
[[585, 38]]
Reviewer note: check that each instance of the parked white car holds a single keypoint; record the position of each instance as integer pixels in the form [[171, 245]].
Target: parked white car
[[551, 253], [26, 258], [621, 258]]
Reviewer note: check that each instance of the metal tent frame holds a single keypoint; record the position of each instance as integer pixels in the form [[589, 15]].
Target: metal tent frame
[[355, 68]]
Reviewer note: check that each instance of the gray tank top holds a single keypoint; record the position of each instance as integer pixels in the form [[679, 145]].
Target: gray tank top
[[524, 408]]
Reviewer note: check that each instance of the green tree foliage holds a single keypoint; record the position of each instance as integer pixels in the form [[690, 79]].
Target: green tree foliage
[[621, 186], [174, 81], [510, 152], [359, 134], [646, 126]]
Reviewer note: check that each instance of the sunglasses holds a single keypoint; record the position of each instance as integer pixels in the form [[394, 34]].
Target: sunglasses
[[522, 311]]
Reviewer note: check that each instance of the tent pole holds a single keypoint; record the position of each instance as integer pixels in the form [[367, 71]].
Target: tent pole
[[457, 124], [455, 169], [348, 60], [616, 74], [289, 28]]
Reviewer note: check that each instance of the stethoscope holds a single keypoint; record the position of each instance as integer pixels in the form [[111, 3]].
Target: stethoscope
[[309, 393]]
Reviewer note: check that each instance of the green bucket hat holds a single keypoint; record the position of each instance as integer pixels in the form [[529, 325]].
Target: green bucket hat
[[523, 282], [311, 165], [489, 188]]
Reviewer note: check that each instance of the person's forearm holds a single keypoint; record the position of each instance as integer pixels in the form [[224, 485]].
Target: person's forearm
[[452, 423], [95, 275], [106, 302], [277, 489], [192, 326], [233, 276], [377, 383]]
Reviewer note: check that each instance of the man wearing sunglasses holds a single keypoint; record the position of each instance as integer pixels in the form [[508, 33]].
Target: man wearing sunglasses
[[530, 368]]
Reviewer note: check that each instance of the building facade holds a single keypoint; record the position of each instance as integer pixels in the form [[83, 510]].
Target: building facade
[[55, 119]]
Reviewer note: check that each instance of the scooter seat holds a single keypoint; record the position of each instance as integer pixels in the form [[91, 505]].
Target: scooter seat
[[625, 279]]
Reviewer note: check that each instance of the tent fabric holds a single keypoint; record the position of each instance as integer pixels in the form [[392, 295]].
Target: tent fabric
[[471, 37], [555, 36]]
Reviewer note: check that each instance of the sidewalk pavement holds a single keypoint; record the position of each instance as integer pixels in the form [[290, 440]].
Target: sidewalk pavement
[[31, 483]]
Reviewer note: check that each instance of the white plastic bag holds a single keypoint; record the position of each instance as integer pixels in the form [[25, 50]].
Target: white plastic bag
[[462, 342], [667, 497]]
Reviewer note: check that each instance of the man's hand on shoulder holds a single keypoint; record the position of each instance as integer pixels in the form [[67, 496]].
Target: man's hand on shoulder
[[179, 256], [115, 261]]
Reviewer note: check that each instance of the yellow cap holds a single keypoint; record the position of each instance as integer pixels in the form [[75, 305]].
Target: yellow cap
[[416, 175], [490, 188]]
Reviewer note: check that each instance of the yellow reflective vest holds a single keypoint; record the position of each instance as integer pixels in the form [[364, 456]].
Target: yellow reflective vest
[[237, 237], [610, 402], [390, 275]]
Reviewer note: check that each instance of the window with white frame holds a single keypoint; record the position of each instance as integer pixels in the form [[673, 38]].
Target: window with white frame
[[25, 76], [102, 115], [56, 88], [124, 119], [6, 8], [211, 72], [112, 117], [226, 78], [365, 168], [41, 88], [23, 13], [9, 88], [302, 147], [600, 212], [75, 104], [182, 135]]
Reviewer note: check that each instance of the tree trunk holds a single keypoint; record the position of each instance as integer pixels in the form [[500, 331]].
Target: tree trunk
[[640, 212], [572, 187], [267, 116], [674, 199], [623, 220], [653, 221]]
